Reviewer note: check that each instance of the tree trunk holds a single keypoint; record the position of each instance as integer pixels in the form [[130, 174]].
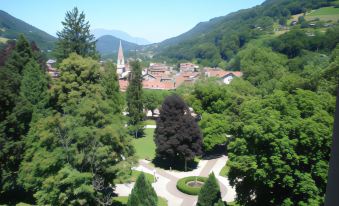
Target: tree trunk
[[185, 165]]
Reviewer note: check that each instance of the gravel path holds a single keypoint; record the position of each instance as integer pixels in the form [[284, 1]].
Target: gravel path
[[165, 186]]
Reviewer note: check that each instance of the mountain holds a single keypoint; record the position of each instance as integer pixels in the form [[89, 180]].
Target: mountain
[[11, 27], [108, 45], [121, 35], [217, 41]]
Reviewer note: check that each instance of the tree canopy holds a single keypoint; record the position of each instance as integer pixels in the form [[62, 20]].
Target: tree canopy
[[134, 98], [75, 37], [210, 192], [177, 135], [142, 193]]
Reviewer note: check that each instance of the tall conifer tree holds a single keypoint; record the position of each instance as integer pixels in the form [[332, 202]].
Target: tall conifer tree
[[21, 90], [210, 192], [134, 100], [75, 37], [143, 193]]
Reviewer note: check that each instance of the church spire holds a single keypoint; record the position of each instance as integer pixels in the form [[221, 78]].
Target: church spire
[[121, 61]]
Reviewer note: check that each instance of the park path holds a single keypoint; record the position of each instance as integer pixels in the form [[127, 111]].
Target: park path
[[165, 186]]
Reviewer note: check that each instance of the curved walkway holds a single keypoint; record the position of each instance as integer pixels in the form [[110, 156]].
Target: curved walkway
[[165, 186]]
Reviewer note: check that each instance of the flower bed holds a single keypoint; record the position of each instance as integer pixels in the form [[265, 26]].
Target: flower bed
[[183, 186]]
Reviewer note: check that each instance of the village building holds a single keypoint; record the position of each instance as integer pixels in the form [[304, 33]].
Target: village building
[[225, 76], [158, 76], [121, 67], [51, 70], [188, 67]]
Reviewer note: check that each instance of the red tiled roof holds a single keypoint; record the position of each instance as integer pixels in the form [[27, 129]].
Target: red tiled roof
[[157, 84], [210, 72]]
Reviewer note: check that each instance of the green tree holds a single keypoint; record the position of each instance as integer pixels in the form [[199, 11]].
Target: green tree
[[80, 77], [151, 100], [263, 67], [215, 130], [330, 80], [142, 193], [111, 85], [34, 85], [67, 187], [86, 134], [75, 37], [177, 136], [134, 97], [281, 153], [16, 111], [210, 192]]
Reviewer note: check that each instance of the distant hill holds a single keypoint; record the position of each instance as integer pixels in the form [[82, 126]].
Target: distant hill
[[109, 45], [217, 41], [121, 35], [11, 27]]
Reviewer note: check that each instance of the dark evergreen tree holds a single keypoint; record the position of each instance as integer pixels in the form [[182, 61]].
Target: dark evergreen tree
[[6, 52], [210, 192], [142, 193], [34, 85], [134, 100], [111, 86], [75, 37], [23, 86], [177, 135]]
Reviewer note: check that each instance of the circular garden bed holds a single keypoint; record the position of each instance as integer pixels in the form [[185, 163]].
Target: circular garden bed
[[191, 185]]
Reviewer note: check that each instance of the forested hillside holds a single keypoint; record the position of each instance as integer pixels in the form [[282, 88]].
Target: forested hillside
[[11, 28], [278, 118], [216, 42]]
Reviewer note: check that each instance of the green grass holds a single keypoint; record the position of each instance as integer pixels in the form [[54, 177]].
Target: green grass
[[324, 14], [325, 11], [149, 122], [133, 177], [145, 146], [232, 204], [224, 171], [123, 200]]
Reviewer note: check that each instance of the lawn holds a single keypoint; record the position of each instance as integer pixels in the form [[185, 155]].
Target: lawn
[[123, 201], [144, 146], [324, 14], [224, 171], [232, 204], [149, 122], [133, 177]]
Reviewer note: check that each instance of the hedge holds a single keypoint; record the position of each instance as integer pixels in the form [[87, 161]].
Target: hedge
[[183, 187]]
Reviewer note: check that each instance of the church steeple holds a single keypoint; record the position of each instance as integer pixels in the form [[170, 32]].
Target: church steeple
[[121, 61]]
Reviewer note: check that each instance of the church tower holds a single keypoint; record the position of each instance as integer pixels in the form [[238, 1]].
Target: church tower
[[120, 61]]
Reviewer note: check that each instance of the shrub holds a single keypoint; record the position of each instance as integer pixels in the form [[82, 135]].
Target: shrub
[[210, 192], [142, 193], [183, 187]]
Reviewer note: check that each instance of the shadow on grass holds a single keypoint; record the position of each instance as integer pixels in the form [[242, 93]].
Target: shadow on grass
[[118, 203], [217, 152], [174, 164]]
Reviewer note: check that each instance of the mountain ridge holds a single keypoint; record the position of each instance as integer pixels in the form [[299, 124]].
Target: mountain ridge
[[11, 27], [119, 34], [109, 45]]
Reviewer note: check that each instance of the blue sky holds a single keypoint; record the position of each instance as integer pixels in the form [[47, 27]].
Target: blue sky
[[154, 20]]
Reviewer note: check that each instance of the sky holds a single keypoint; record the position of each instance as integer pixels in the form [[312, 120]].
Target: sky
[[154, 20]]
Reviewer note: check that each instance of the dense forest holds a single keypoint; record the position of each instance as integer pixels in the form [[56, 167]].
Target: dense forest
[[216, 42], [278, 120]]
